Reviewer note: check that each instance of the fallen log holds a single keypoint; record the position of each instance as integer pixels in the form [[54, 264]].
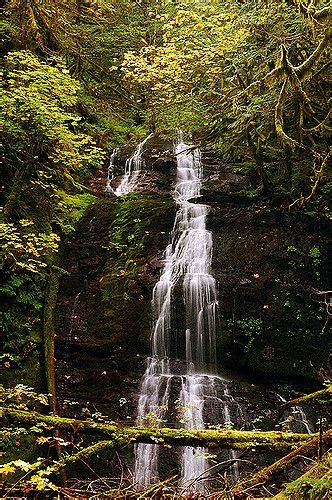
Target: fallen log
[[264, 475], [94, 450], [230, 439]]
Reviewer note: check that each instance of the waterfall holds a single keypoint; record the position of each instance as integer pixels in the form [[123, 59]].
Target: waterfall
[[191, 390], [108, 188], [294, 419], [187, 258], [133, 166]]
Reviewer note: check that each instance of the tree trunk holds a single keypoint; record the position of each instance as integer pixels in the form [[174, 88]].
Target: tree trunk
[[48, 329]]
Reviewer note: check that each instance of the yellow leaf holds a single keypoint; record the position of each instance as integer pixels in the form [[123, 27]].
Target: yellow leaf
[[7, 469], [42, 440]]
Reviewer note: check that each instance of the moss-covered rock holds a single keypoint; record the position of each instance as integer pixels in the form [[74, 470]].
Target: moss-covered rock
[[103, 314]]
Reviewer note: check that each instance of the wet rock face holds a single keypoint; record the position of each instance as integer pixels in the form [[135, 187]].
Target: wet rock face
[[268, 263], [103, 311]]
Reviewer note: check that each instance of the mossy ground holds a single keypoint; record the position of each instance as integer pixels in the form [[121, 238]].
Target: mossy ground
[[315, 484]]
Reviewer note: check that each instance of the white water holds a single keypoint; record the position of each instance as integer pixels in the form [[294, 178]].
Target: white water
[[132, 169], [196, 389], [295, 418], [187, 262], [187, 258], [108, 188]]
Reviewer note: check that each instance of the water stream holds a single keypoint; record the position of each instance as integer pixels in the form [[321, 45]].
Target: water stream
[[294, 418], [133, 166], [192, 389], [187, 260]]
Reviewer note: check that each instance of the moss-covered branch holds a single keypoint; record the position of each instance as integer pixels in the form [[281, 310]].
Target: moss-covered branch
[[305, 69], [278, 119], [323, 14], [94, 450], [285, 463], [175, 437], [317, 14], [322, 396]]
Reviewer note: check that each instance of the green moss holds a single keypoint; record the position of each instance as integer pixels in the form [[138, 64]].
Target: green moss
[[313, 485], [21, 325], [259, 340], [19, 443], [251, 329], [28, 373], [138, 232], [96, 449], [70, 209], [179, 437], [136, 215], [24, 294], [323, 396]]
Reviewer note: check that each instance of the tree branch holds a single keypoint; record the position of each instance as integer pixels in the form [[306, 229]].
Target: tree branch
[[278, 120], [319, 396]]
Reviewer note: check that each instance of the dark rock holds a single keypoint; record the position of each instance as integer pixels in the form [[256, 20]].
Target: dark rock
[[272, 307], [103, 311]]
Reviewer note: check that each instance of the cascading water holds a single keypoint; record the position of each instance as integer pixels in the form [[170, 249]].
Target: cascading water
[[108, 188], [132, 168], [294, 418], [199, 398], [187, 258]]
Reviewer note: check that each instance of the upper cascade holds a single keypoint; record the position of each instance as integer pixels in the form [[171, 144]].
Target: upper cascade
[[133, 166]]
